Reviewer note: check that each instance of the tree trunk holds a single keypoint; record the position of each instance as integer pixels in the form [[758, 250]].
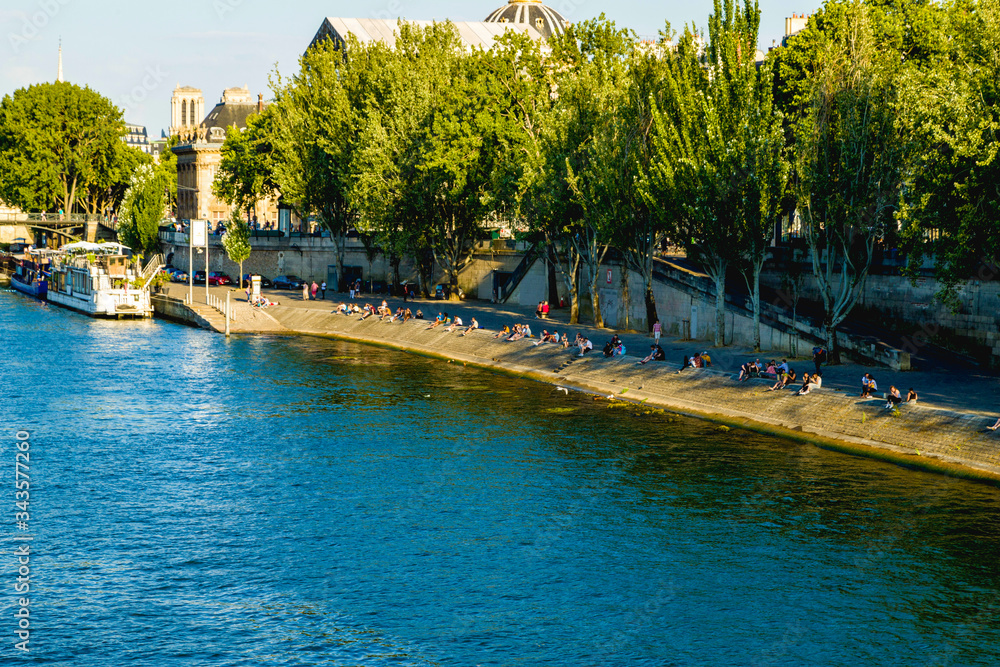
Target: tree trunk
[[341, 240], [394, 261], [595, 299], [550, 266], [716, 268], [424, 269], [831, 344], [755, 300], [651, 316], [625, 323], [571, 278], [720, 310], [453, 291], [241, 275]]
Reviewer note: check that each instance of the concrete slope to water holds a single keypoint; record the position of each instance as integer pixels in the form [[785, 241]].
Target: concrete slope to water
[[915, 435]]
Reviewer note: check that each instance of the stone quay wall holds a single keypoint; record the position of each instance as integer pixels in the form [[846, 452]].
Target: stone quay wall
[[914, 435]]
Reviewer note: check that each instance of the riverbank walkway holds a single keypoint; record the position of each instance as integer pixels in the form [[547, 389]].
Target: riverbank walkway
[[954, 388]]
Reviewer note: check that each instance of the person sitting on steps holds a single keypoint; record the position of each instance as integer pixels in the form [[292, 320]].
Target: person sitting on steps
[[656, 353]]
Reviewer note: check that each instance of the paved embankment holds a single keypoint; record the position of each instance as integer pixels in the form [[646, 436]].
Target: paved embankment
[[915, 435]]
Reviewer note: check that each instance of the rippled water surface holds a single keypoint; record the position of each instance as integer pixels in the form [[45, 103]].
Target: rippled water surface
[[298, 501]]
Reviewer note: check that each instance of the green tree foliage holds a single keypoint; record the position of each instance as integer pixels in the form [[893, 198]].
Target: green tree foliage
[[142, 209], [719, 170], [849, 161], [951, 107], [236, 242], [431, 149], [640, 229], [594, 55], [245, 175], [313, 136], [61, 147]]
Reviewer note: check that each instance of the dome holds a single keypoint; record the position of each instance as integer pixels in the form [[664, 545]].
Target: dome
[[530, 12]]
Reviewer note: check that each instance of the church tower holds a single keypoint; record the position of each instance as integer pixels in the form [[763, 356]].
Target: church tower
[[59, 74], [187, 108]]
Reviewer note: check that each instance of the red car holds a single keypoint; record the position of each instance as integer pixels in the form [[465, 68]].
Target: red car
[[216, 278]]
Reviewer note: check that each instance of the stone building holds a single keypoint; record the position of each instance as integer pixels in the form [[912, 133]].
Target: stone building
[[199, 151]]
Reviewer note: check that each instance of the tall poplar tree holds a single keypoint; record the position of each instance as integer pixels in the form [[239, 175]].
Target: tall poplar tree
[[849, 163]]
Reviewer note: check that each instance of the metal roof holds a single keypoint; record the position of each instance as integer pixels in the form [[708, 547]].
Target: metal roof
[[473, 34]]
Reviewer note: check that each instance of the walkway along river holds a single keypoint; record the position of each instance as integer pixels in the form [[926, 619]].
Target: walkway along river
[[304, 501]]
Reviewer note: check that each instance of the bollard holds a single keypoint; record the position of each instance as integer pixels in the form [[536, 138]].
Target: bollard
[[227, 314]]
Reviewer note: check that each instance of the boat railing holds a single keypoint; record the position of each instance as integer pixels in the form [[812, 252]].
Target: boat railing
[[154, 264]]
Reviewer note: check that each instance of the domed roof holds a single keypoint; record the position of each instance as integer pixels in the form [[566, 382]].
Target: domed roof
[[530, 12]]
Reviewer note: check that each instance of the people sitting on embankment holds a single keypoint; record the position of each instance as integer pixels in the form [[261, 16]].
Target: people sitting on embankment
[[749, 369], [893, 398], [786, 378], [698, 360], [656, 353], [810, 382]]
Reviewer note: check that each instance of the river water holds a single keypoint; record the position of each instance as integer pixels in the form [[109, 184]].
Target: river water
[[299, 501]]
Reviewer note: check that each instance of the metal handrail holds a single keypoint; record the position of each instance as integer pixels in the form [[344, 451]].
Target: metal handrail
[[521, 270]]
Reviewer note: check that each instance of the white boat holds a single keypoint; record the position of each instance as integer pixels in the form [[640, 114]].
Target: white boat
[[101, 280]]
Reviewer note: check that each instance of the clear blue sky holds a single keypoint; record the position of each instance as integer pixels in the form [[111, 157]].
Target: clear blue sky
[[136, 53]]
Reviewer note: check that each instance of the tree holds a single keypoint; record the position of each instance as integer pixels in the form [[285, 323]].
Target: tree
[[699, 175], [594, 54], [236, 241], [313, 140], [57, 140], [951, 108], [640, 229], [849, 162], [245, 175], [107, 186], [142, 210], [425, 160]]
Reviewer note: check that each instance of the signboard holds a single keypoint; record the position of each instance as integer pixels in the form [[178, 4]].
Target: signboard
[[609, 276], [199, 235], [254, 287]]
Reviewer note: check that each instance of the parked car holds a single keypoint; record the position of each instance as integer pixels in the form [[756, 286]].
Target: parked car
[[264, 282], [176, 275], [216, 278], [288, 282], [199, 277]]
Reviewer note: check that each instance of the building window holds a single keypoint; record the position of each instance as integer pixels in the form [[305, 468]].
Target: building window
[[184, 113]]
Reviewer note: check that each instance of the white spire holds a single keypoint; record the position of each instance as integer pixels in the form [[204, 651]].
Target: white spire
[[59, 76]]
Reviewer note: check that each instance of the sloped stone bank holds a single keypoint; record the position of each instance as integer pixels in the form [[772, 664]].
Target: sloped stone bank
[[915, 435]]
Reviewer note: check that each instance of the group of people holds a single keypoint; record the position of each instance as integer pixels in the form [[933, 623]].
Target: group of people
[[259, 301], [614, 347], [553, 337], [785, 376], [696, 360], [309, 292], [517, 332], [893, 397], [382, 311], [453, 324]]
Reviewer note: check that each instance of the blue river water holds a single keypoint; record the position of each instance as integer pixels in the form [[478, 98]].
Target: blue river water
[[302, 501]]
